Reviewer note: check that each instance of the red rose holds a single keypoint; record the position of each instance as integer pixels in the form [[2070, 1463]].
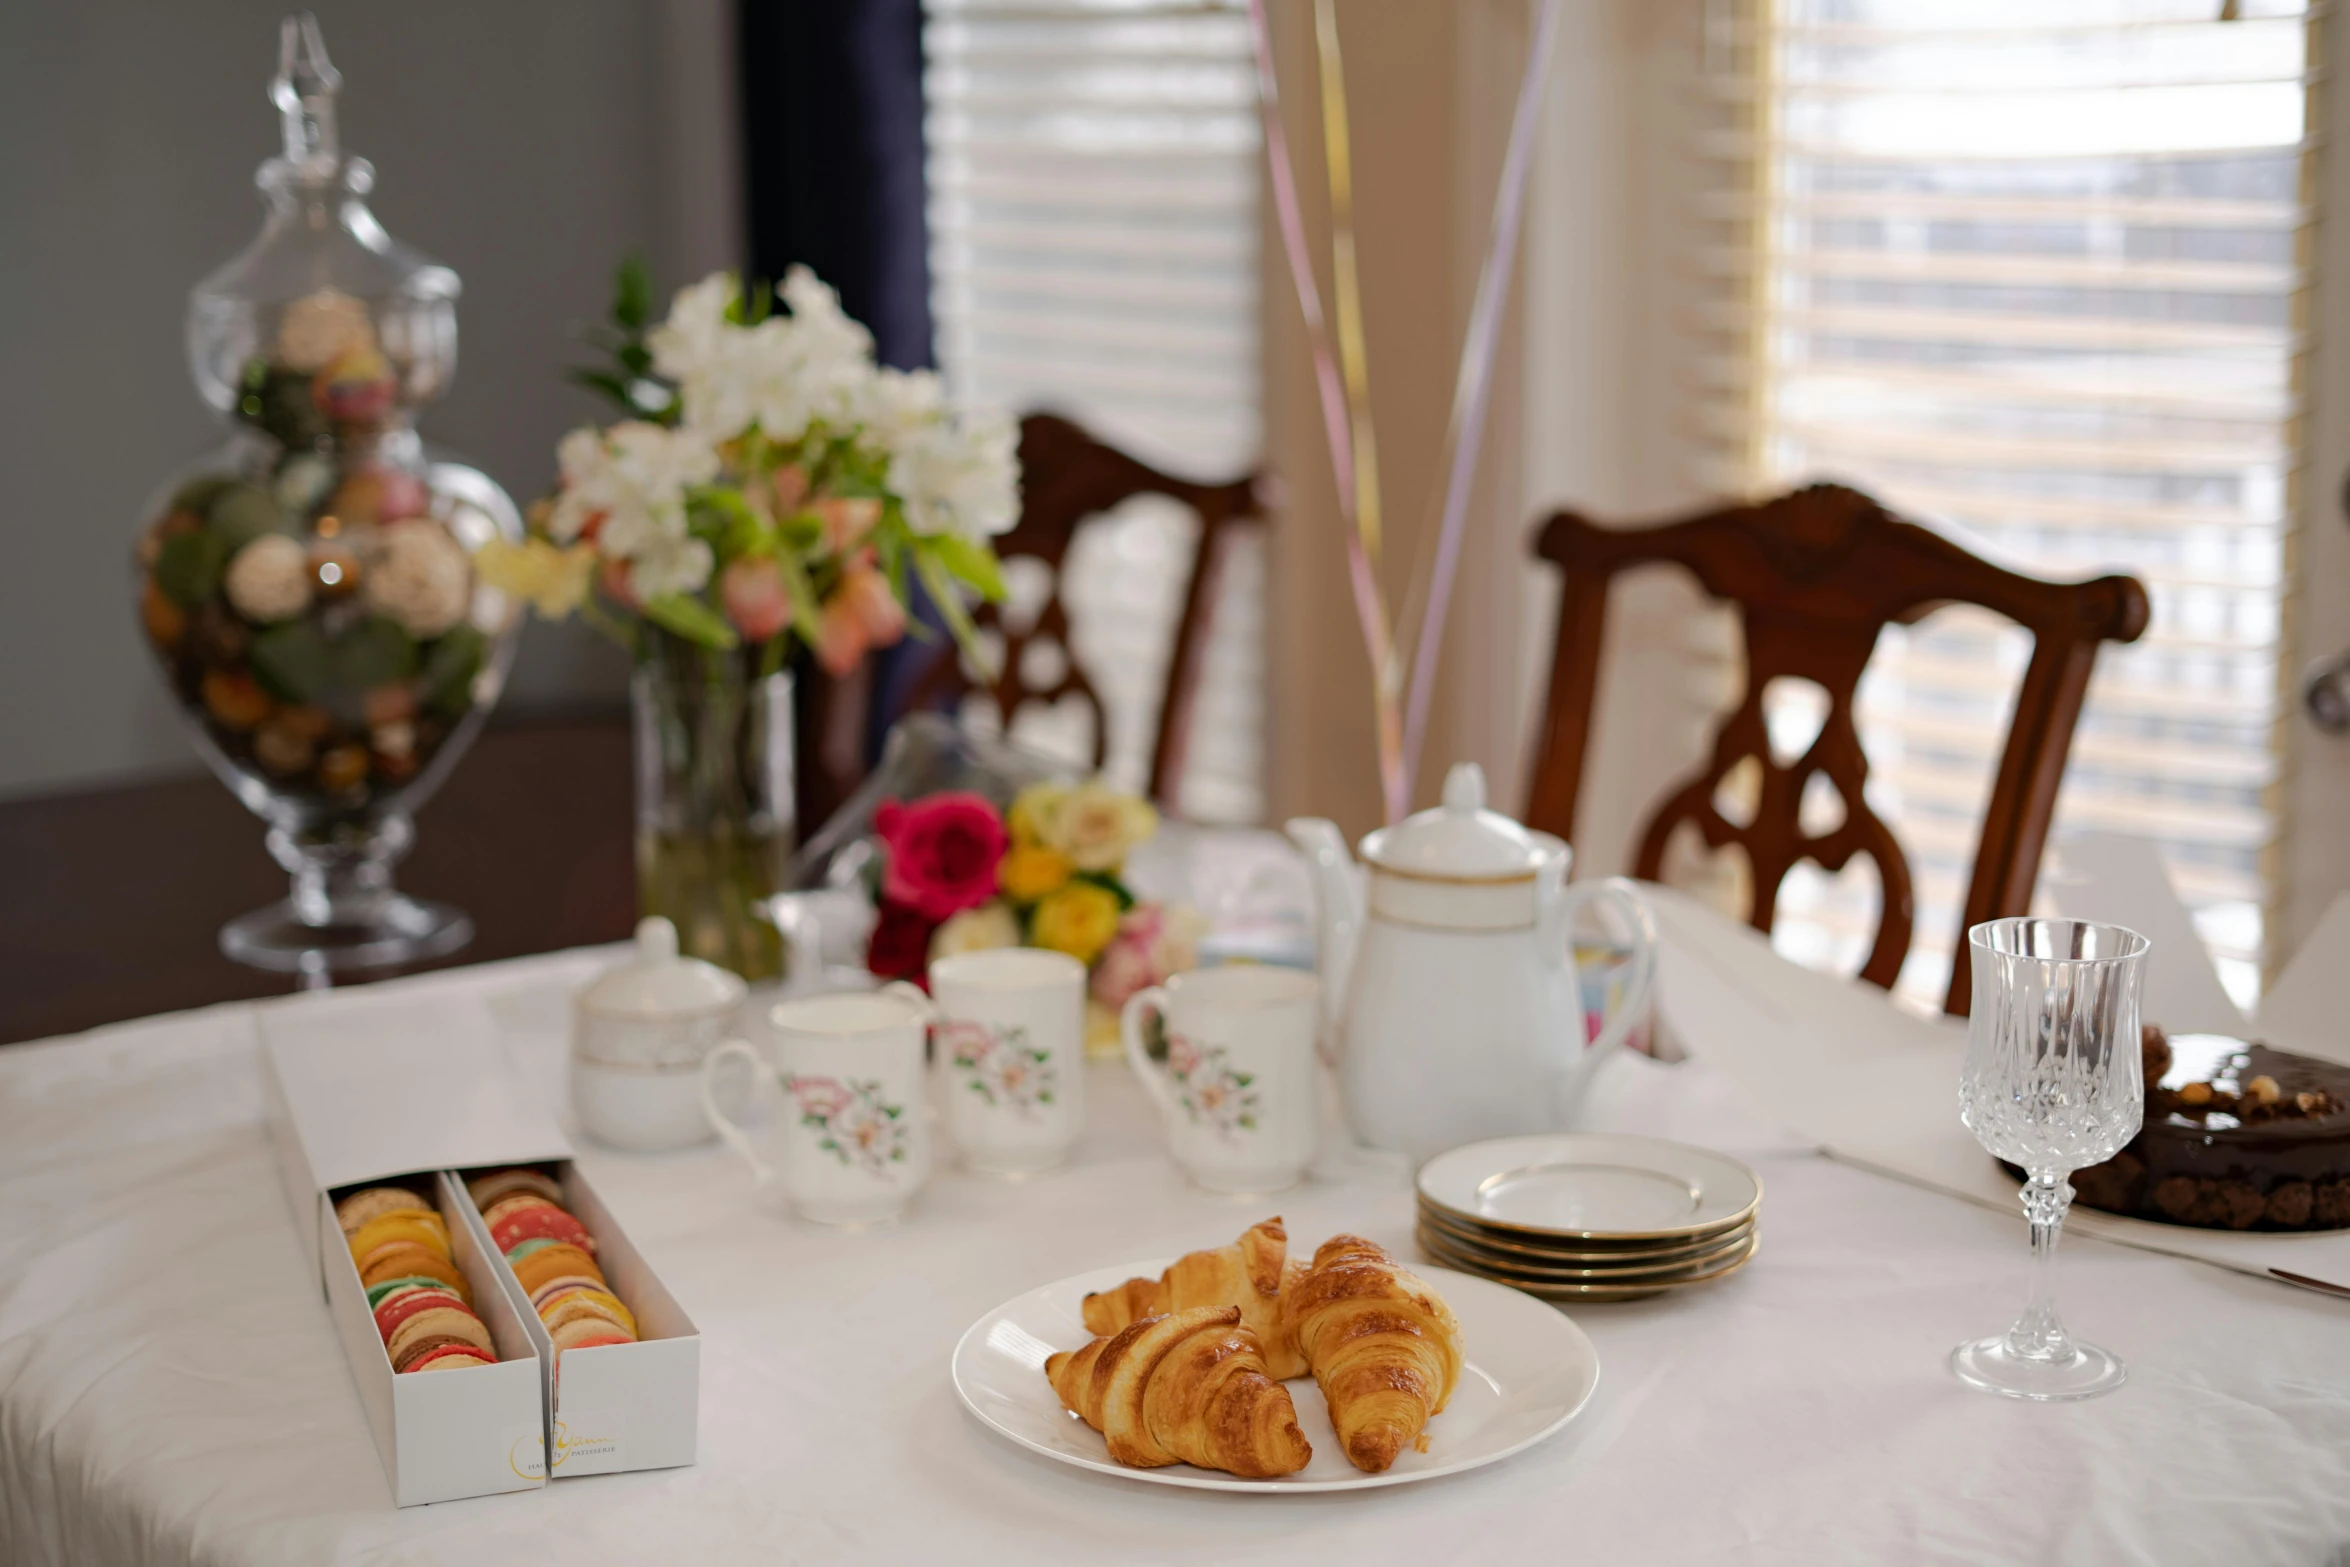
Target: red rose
[[900, 948], [943, 852]]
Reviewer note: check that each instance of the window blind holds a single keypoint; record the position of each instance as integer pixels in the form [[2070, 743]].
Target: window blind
[[1093, 169], [2032, 271]]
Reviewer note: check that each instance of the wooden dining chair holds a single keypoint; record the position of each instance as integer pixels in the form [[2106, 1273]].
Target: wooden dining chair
[[1816, 575], [1068, 476]]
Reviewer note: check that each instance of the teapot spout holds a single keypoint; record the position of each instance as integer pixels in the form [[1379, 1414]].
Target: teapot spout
[[1338, 904]]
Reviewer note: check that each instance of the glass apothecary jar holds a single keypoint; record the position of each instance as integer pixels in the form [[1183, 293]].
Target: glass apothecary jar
[[308, 588]]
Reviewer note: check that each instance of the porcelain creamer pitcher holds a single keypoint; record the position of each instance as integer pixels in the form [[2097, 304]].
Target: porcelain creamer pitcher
[[1456, 1012]]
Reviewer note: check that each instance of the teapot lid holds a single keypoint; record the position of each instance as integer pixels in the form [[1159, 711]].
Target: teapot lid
[[657, 983], [1460, 840]]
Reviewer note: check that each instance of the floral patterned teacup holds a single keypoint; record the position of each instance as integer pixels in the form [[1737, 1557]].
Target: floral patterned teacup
[[1010, 1028], [847, 1137], [1237, 1089]]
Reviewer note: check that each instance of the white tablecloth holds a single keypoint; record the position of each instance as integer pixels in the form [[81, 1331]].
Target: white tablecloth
[[171, 1389]]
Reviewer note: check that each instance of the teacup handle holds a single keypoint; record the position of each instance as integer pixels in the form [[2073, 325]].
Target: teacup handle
[[1641, 979], [733, 1134], [1130, 1032]]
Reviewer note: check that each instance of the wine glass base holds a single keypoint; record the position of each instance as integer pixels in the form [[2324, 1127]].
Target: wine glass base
[[2085, 1372], [394, 929]]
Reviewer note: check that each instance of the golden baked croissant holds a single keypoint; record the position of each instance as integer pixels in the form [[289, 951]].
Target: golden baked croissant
[[1385, 1347], [1186, 1388], [1249, 1274]]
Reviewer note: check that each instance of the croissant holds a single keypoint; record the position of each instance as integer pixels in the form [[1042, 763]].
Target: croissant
[[1383, 1345], [1249, 1274], [1188, 1388]]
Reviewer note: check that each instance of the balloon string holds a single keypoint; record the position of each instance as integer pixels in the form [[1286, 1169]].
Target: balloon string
[[1473, 387], [1342, 379]]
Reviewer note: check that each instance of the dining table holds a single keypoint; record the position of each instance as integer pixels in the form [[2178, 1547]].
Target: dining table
[[172, 1389]]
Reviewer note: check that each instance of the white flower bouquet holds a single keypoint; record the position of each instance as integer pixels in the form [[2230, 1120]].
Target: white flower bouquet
[[772, 481]]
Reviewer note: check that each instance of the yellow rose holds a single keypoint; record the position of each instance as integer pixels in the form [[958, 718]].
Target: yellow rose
[[1095, 825], [1031, 871], [551, 578], [989, 926], [1031, 809], [1080, 920]]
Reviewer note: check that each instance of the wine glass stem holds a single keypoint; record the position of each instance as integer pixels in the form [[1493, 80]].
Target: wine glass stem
[[2039, 1334]]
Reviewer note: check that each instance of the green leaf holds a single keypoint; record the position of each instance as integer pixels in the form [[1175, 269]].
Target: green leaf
[[1109, 884], [949, 600], [606, 382], [449, 668], [632, 295], [292, 662], [970, 563], [189, 567], [691, 619], [241, 513], [805, 610], [375, 652]]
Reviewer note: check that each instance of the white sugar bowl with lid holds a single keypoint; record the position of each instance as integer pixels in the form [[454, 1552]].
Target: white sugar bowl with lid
[[1455, 1009], [638, 1038]]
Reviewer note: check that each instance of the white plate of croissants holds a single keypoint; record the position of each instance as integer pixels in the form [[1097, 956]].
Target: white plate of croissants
[[1240, 1369]]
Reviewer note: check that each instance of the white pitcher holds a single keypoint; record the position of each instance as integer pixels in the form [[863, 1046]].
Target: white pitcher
[[1456, 1013]]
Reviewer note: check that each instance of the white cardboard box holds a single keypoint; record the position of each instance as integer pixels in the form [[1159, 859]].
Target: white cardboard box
[[614, 1406], [364, 1089]]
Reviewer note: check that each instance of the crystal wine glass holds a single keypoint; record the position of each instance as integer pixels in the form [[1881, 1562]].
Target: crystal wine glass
[[2052, 1083]]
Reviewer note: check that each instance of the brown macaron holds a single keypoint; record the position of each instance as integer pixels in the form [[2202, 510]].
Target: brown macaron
[[444, 1324], [374, 1203], [488, 1189]]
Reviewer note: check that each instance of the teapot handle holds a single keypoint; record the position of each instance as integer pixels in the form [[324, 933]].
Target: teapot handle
[[1639, 981]]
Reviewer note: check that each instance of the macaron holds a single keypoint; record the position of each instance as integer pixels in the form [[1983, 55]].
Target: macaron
[[399, 1307], [377, 1294], [434, 1324], [448, 1357], [416, 1262], [518, 1202], [406, 1358], [587, 1333], [368, 1261], [522, 1249], [426, 1229], [554, 1262], [375, 1202], [546, 1294], [486, 1190], [574, 1305], [541, 1223]]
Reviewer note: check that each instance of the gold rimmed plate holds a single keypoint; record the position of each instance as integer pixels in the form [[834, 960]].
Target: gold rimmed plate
[[1586, 1187], [1630, 1289], [1570, 1268], [1502, 1245]]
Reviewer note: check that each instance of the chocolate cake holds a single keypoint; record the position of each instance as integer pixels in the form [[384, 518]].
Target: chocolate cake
[[2238, 1136]]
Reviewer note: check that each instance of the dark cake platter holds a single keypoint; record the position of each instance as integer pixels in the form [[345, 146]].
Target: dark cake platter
[[2238, 1136]]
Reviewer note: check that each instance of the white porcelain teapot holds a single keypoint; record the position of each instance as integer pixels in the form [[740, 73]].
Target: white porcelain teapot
[[1456, 1012]]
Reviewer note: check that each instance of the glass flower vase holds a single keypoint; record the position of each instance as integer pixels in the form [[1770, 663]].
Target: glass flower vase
[[715, 818], [308, 589]]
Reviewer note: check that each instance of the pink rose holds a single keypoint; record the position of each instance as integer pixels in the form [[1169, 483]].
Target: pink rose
[[943, 852], [1121, 971], [750, 590], [862, 614]]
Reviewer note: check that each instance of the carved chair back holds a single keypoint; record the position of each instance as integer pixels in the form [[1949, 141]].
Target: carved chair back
[[1066, 477], [1816, 575]]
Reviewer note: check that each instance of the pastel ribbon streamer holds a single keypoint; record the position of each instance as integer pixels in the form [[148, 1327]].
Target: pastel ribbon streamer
[[1345, 395], [1472, 389]]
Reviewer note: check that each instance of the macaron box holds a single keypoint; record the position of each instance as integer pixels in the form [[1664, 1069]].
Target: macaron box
[[373, 1102]]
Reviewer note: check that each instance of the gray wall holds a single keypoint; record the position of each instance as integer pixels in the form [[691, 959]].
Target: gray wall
[[527, 143]]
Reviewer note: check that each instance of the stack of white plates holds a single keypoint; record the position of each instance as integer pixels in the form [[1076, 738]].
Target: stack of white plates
[[1573, 1217]]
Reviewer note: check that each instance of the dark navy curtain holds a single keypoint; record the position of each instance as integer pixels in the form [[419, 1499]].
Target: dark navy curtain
[[832, 139]]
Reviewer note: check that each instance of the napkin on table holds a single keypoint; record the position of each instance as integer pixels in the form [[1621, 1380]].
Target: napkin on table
[[1876, 1086]]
